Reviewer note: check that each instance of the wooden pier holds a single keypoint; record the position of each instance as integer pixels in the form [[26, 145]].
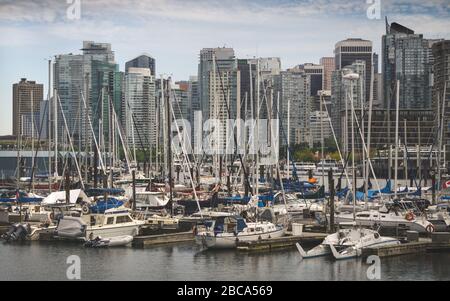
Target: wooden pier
[[154, 240], [439, 242], [4, 229], [284, 242]]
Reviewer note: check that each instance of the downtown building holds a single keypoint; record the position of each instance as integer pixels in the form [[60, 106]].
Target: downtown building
[[319, 123], [329, 66], [294, 90], [194, 103], [252, 70], [219, 91], [142, 61], [316, 74], [85, 86], [140, 108], [407, 57], [351, 50], [27, 102], [341, 102], [441, 88]]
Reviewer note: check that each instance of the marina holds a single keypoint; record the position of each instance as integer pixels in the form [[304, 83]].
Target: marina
[[242, 170]]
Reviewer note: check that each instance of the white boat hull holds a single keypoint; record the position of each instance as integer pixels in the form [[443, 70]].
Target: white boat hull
[[229, 240], [410, 225]]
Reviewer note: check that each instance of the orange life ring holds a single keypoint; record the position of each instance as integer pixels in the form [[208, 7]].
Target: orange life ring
[[409, 216], [430, 228]]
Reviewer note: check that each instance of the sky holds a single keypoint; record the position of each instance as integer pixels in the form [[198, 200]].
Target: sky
[[174, 31]]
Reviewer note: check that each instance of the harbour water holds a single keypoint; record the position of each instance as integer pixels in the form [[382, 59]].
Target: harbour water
[[186, 261]]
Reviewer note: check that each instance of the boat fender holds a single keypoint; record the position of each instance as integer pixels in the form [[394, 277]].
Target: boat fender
[[430, 228], [85, 209]]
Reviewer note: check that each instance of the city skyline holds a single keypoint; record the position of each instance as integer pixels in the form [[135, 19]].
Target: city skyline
[[174, 32]]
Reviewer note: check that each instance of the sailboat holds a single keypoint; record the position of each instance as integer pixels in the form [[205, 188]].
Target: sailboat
[[368, 239], [226, 232]]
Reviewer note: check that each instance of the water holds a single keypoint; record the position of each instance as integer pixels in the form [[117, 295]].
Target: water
[[47, 261]]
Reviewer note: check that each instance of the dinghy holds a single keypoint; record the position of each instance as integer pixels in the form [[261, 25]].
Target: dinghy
[[117, 241]]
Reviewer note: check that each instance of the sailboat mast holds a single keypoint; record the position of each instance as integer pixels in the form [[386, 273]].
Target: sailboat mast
[[257, 126], [353, 150], [396, 137], [49, 123], [169, 144], [32, 136], [321, 138], [55, 123]]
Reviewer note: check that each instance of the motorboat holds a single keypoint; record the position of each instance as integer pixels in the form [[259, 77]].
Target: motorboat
[[386, 218], [113, 222], [27, 231], [226, 232]]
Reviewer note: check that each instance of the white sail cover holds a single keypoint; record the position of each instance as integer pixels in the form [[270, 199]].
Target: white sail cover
[[59, 197]]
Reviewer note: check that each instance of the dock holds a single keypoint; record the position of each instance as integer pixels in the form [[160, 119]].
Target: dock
[[279, 243], [438, 242], [4, 229], [154, 240]]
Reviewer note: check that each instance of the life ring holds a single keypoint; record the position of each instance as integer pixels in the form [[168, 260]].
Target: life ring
[[52, 216], [430, 228], [85, 209], [409, 216]]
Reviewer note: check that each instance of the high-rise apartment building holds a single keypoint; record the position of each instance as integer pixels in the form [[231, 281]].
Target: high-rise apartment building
[[95, 76], [27, 100], [329, 66], [140, 107], [348, 51], [295, 107], [219, 89], [142, 61], [407, 57], [441, 89], [341, 100], [316, 74]]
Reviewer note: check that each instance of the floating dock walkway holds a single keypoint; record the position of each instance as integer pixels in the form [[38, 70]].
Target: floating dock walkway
[[439, 242], [153, 240], [284, 242]]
